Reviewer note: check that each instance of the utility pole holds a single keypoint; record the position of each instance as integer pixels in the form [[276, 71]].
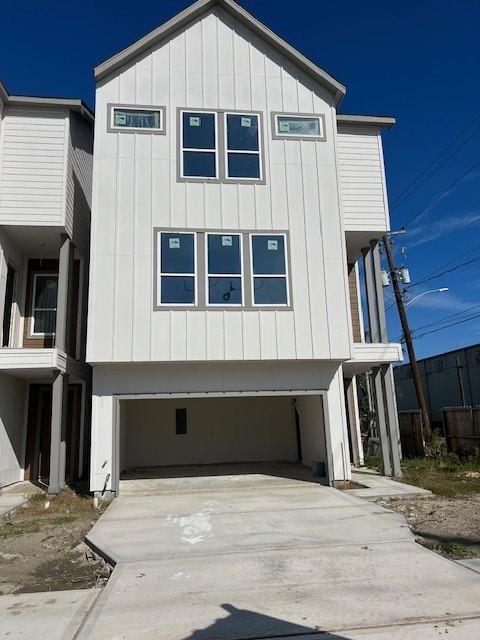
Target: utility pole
[[427, 431]]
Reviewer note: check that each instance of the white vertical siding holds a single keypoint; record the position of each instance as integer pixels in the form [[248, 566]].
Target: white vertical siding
[[362, 179], [214, 63], [32, 182]]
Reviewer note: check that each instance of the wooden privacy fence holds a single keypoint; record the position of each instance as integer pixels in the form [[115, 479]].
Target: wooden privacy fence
[[411, 434], [461, 426]]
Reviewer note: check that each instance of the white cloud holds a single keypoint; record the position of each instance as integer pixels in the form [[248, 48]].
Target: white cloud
[[428, 232]]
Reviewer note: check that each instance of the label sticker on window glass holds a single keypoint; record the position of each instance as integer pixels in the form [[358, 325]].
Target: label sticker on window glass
[[283, 126], [174, 243], [227, 241], [194, 121], [120, 119], [272, 245], [246, 122]]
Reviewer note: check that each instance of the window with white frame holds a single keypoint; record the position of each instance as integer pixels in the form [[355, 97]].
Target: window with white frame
[[44, 304], [224, 269], [138, 118], [242, 153], [199, 158], [176, 282], [299, 126], [269, 270]]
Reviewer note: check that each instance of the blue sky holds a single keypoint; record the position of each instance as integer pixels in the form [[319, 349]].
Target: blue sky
[[416, 60]]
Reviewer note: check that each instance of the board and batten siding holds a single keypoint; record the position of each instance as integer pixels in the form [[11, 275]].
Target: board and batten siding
[[214, 63], [32, 166], [362, 179]]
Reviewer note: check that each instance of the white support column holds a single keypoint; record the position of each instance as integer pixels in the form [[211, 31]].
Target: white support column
[[382, 422], [354, 422], [56, 480], [392, 417], [336, 431], [65, 273], [103, 443]]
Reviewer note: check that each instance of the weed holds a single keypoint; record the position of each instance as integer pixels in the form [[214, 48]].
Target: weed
[[454, 551]]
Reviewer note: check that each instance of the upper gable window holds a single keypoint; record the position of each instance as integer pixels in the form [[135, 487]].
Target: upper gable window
[[299, 127], [199, 145], [138, 119], [242, 146]]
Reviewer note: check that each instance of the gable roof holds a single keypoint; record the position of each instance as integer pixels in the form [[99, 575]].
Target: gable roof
[[201, 7], [68, 103]]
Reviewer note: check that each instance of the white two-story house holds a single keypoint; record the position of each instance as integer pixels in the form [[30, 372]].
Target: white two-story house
[[45, 200], [235, 220]]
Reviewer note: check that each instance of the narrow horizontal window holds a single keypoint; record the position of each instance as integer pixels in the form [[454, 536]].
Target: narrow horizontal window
[[242, 146], [44, 304], [299, 126], [198, 145], [137, 118], [176, 270], [224, 269], [269, 270]]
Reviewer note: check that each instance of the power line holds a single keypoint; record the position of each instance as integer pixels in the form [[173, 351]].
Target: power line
[[453, 324], [442, 273], [443, 193], [447, 264], [410, 189], [441, 321]]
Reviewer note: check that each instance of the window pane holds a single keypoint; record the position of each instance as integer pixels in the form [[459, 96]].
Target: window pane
[[225, 290], [298, 126], [199, 131], [178, 289], [223, 254], [46, 292], [136, 118], [199, 164], [270, 290], [177, 253], [243, 165], [268, 254], [44, 321], [242, 132]]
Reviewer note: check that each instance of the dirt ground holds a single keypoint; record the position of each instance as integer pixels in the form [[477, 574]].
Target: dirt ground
[[43, 549], [448, 525]]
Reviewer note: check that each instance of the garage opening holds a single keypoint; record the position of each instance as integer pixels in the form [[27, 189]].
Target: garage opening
[[201, 436]]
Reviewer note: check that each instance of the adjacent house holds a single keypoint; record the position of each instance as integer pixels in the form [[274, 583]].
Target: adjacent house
[[45, 200], [235, 219]]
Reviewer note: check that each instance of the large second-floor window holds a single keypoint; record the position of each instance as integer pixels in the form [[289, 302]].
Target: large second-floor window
[[176, 284], [44, 304], [269, 270], [222, 270], [224, 267]]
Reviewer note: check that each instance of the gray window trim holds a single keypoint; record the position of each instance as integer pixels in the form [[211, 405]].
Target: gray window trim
[[140, 107], [282, 136], [221, 150], [201, 271]]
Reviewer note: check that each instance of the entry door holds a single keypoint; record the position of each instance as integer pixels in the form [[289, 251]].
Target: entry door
[[37, 454]]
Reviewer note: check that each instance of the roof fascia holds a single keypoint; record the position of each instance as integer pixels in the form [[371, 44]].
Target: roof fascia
[[368, 121]]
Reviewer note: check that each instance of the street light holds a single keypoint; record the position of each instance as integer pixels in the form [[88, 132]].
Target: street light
[[424, 293]]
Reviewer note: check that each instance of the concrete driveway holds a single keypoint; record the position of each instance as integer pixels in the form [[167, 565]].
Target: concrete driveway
[[256, 555]]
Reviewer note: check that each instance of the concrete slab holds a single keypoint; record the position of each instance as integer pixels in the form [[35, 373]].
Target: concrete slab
[[9, 502], [240, 520], [56, 615], [213, 477], [378, 486], [472, 563], [278, 592]]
